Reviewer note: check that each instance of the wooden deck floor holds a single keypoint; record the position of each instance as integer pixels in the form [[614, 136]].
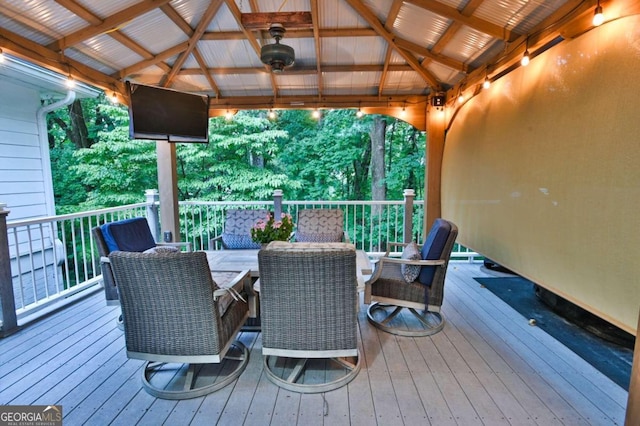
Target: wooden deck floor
[[487, 367]]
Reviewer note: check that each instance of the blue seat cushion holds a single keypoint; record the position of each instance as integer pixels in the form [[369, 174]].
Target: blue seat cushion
[[433, 247], [128, 235]]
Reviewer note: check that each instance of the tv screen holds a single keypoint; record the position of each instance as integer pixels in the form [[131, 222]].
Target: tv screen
[[164, 114]]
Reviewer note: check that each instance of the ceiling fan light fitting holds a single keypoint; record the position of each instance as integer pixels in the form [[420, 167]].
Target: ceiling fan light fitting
[[278, 56]]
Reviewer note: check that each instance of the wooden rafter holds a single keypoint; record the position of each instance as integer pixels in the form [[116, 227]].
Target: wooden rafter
[[186, 28], [117, 35], [162, 56], [388, 25], [316, 38], [206, 18], [367, 15], [309, 70], [470, 21]]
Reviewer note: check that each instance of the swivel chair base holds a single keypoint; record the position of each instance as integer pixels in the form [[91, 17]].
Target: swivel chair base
[[381, 316]]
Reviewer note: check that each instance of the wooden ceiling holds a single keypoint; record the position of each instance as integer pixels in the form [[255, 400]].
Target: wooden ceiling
[[377, 55]]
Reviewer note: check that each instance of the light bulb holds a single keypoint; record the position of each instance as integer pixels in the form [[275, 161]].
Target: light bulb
[[1, 56], [486, 84], [598, 16], [228, 115], [70, 83], [272, 114], [359, 113], [460, 98], [113, 98], [525, 59], [315, 114]]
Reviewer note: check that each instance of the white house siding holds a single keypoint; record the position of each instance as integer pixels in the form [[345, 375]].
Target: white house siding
[[22, 181]]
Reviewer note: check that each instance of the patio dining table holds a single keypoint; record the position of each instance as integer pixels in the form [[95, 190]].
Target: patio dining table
[[240, 260]]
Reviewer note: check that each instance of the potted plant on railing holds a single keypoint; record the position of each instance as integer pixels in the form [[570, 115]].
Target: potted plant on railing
[[265, 231]]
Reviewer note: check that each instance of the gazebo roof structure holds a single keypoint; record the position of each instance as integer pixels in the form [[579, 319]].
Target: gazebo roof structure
[[381, 56]]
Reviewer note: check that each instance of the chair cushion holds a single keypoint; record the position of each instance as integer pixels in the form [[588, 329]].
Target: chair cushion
[[313, 237], [433, 247], [410, 272], [128, 235], [162, 249], [235, 241]]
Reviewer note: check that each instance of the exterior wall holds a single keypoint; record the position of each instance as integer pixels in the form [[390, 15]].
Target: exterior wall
[[541, 172], [22, 179]]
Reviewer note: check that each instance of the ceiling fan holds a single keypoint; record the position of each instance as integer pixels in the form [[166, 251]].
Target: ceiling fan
[[278, 56]]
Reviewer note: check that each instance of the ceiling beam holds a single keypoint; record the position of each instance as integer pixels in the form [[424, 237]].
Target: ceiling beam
[[262, 21], [369, 16], [237, 14], [172, 51], [311, 101], [108, 24], [423, 51], [311, 70], [296, 33]]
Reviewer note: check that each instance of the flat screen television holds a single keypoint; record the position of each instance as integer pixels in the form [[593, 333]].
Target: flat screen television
[[163, 114]]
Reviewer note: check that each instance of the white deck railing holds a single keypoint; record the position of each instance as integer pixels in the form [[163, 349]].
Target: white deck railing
[[53, 260]]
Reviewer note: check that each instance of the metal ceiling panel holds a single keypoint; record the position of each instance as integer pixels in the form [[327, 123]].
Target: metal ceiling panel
[[190, 10], [40, 21], [466, 44], [192, 83], [353, 50], [222, 21], [403, 82], [380, 8], [154, 31], [420, 26], [102, 9], [338, 14], [444, 73], [229, 54], [297, 82], [351, 82], [109, 52], [520, 15], [244, 84]]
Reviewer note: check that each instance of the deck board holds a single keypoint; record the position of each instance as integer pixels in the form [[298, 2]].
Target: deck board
[[488, 366]]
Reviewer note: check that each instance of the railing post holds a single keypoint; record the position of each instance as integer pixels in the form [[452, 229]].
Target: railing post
[[153, 218], [277, 204], [7, 302], [409, 195]]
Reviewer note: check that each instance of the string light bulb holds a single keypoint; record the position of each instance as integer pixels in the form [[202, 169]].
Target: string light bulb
[[525, 58], [316, 114], [70, 83], [598, 16], [359, 113], [486, 83], [228, 115], [272, 114], [113, 98], [1, 56], [460, 98]]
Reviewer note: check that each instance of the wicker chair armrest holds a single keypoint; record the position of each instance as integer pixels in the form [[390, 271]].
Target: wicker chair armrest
[[178, 245], [397, 260]]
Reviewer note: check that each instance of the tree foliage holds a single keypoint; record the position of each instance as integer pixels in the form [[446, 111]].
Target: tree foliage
[[247, 158]]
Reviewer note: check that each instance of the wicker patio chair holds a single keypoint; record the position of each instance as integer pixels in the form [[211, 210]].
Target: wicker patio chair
[[237, 229], [320, 226], [174, 313], [414, 281], [125, 235], [308, 303]]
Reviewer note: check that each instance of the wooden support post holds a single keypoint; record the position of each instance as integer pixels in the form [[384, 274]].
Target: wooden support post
[[7, 302], [168, 189], [409, 195], [433, 172]]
